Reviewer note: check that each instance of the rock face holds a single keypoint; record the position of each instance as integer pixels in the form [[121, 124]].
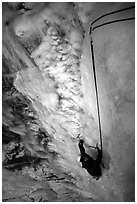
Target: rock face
[[49, 99]]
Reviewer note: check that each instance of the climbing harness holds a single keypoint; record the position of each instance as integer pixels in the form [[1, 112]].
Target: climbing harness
[[93, 58]]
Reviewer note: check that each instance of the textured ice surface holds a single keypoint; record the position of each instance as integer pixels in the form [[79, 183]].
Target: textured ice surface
[[49, 98]]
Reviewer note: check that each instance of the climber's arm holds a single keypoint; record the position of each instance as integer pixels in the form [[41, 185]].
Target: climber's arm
[[99, 157], [82, 150]]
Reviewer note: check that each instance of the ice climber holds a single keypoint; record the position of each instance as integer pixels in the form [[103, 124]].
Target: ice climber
[[92, 166]]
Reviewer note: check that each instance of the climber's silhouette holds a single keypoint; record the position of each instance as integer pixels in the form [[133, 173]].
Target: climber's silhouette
[[92, 166]]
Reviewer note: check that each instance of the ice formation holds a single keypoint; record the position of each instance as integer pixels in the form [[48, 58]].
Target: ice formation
[[49, 99]]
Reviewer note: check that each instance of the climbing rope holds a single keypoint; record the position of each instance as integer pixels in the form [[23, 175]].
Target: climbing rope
[[115, 21], [93, 59], [96, 91], [111, 13]]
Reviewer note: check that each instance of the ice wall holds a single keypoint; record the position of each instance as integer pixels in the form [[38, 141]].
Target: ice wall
[[48, 80], [114, 60]]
